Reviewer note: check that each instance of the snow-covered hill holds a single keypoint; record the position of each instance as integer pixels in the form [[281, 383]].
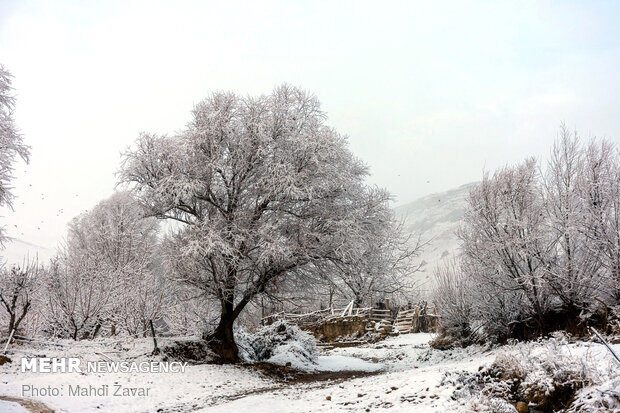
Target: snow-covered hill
[[16, 251], [436, 218]]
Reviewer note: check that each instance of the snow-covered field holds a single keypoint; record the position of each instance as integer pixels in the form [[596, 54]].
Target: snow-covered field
[[398, 374]]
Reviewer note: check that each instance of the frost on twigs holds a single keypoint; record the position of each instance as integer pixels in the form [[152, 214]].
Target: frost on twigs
[[263, 192], [11, 142], [539, 247]]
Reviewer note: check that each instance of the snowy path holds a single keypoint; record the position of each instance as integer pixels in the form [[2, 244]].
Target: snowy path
[[409, 378], [401, 373]]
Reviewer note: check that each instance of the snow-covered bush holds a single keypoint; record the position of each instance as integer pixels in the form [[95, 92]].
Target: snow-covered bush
[[600, 398], [243, 339], [549, 378], [481, 392], [547, 374], [488, 405], [279, 343], [454, 300]]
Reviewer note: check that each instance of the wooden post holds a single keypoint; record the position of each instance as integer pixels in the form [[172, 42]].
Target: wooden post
[[9, 340], [155, 348], [262, 307], [387, 303]]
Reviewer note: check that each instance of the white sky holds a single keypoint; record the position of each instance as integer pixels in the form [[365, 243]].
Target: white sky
[[429, 93]]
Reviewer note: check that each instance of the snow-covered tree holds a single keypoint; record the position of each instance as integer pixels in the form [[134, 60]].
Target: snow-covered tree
[[453, 296], [574, 273], [18, 285], [144, 296], [106, 273], [11, 141], [600, 192], [385, 263], [77, 299], [190, 311], [505, 238], [498, 307], [262, 188]]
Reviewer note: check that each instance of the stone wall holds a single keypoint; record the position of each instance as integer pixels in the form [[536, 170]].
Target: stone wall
[[331, 330]]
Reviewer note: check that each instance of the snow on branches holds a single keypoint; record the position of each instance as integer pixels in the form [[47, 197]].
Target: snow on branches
[[542, 245], [11, 142], [262, 189]]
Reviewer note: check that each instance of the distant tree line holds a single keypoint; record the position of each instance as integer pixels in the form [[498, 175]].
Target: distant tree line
[[540, 247]]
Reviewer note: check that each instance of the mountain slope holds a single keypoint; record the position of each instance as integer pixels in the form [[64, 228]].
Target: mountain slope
[[17, 251], [435, 218]]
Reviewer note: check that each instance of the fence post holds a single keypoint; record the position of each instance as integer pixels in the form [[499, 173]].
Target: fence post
[[9, 340]]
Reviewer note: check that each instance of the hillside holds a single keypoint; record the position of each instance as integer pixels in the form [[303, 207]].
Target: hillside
[[16, 251], [436, 218]]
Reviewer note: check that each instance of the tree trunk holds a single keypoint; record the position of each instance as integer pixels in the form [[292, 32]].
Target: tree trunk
[[11, 322], [358, 302], [222, 340], [155, 348], [97, 328]]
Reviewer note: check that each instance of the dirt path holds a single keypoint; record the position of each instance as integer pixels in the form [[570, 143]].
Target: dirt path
[[310, 381], [30, 405], [287, 380]]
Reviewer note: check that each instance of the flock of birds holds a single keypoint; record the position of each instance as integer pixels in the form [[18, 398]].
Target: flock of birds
[[59, 212]]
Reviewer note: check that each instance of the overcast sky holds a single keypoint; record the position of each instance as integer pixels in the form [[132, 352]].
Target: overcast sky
[[430, 93]]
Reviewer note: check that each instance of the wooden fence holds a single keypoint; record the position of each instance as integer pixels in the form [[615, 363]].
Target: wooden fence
[[322, 315], [407, 320], [415, 320]]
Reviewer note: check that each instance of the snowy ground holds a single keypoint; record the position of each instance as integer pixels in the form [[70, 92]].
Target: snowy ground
[[399, 374]]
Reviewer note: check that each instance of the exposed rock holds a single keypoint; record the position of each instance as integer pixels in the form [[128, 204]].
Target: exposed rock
[[193, 351], [522, 407], [4, 359]]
